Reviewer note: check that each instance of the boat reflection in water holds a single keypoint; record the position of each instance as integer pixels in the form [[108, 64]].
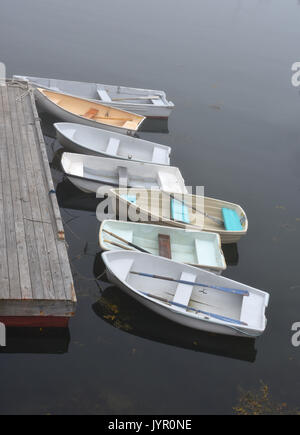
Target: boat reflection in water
[[70, 197], [231, 254], [154, 125], [150, 125], [123, 312], [36, 340]]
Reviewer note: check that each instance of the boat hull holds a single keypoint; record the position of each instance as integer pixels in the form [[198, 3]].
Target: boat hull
[[85, 185]]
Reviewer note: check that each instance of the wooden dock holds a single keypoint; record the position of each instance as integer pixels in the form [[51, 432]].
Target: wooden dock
[[36, 284]]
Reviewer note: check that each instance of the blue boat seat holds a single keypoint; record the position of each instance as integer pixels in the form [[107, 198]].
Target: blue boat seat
[[231, 220], [130, 198], [179, 211]]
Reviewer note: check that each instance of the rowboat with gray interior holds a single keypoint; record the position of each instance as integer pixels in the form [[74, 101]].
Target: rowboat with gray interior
[[196, 248], [189, 295], [82, 139], [88, 173], [146, 102]]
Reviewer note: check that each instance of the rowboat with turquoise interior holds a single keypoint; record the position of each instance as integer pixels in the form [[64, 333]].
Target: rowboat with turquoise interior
[[198, 248], [183, 211]]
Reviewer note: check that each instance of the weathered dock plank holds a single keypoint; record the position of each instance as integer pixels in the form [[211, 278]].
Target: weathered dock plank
[[36, 284]]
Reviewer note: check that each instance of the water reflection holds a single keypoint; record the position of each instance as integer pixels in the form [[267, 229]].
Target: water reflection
[[36, 340], [231, 254], [155, 126], [123, 312], [149, 125], [70, 197]]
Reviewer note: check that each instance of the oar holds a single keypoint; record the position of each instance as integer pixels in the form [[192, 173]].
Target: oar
[[117, 244], [112, 119], [213, 218], [198, 284], [149, 97], [126, 241], [216, 316], [196, 300]]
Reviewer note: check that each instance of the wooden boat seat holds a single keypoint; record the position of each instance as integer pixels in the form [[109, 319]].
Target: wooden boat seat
[[113, 145], [130, 125], [91, 113], [164, 245], [103, 95], [158, 155], [184, 291], [123, 176]]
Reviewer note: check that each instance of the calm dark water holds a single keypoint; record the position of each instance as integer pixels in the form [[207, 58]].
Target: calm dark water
[[227, 66]]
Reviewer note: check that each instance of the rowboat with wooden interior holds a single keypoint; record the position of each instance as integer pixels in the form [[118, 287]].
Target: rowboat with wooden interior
[[73, 109], [82, 139], [88, 173], [189, 295], [145, 102], [184, 211]]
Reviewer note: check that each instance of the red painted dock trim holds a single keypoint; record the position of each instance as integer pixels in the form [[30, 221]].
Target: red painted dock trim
[[35, 321]]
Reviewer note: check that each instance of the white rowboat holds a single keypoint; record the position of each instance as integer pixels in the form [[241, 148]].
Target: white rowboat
[[188, 295], [88, 173], [197, 248], [145, 102], [82, 139], [195, 212], [78, 110]]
